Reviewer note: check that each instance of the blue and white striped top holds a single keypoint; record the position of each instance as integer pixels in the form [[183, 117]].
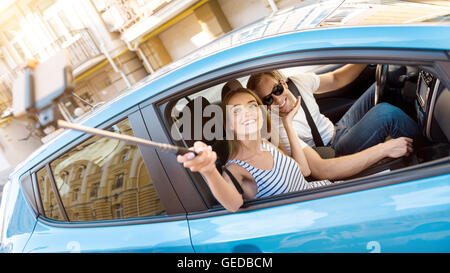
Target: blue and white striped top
[[284, 177]]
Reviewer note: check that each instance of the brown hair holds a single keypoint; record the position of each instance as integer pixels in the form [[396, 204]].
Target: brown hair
[[255, 79], [233, 145]]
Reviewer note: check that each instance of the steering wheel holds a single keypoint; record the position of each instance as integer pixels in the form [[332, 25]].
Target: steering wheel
[[381, 78]]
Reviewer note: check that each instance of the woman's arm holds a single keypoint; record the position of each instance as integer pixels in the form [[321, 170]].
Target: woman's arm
[[221, 187], [296, 147]]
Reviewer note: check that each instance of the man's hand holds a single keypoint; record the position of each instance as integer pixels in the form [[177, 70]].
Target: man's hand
[[287, 119], [398, 147], [204, 162]]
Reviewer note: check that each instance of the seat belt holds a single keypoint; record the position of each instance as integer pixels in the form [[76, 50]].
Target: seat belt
[[233, 179], [312, 125]]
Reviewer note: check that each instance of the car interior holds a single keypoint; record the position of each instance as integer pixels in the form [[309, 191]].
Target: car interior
[[414, 89]]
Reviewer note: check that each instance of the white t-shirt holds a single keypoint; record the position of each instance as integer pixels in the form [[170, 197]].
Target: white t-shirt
[[306, 84]]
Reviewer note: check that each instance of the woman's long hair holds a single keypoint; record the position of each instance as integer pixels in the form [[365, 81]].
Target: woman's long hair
[[233, 144]]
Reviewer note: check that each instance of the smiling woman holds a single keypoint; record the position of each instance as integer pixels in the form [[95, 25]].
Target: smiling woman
[[261, 169]]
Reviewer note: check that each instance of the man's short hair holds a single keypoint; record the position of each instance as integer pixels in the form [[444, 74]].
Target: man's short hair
[[255, 79]]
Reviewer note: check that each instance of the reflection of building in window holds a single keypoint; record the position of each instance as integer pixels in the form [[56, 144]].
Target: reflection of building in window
[[118, 181], [64, 176], [125, 156], [95, 187], [118, 211], [48, 200], [75, 194], [102, 173], [81, 172]]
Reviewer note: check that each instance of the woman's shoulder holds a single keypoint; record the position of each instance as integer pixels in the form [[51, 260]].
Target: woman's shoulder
[[235, 166], [270, 146]]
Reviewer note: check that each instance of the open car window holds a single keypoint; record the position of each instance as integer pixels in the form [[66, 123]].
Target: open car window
[[403, 90]]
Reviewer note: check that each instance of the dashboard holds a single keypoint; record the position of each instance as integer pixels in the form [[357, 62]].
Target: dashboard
[[428, 90]]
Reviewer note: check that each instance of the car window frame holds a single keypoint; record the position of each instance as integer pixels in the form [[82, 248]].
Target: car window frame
[[139, 130], [432, 60]]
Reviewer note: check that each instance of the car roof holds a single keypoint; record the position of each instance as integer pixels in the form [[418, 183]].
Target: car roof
[[269, 36]]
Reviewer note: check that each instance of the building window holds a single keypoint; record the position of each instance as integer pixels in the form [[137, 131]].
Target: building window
[[75, 194], [94, 192], [125, 156], [81, 172], [118, 211], [118, 182]]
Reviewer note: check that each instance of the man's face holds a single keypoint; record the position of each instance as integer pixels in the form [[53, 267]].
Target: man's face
[[285, 101]]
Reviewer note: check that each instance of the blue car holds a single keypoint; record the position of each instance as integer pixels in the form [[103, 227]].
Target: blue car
[[80, 193]]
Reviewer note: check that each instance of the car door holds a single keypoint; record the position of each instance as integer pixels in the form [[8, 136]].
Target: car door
[[101, 195], [412, 216], [403, 211]]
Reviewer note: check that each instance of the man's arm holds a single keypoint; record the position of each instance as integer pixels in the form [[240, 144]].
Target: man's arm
[[339, 78], [346, 166]]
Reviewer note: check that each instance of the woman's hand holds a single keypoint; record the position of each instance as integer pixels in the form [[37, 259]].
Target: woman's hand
[[204, 162], [287, 119]]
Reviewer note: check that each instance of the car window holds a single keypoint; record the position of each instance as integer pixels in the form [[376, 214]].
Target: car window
[[48, 198], [105, 179], [407, 93]]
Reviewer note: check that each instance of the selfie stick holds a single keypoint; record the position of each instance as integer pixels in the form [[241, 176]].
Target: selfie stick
[[130, 139]]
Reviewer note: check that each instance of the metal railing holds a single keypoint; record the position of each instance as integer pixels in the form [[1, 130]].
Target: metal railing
[[121, 15], [82, 47], [79, 43]]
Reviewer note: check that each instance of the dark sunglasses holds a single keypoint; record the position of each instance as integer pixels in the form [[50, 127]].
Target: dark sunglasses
[[277, 90]]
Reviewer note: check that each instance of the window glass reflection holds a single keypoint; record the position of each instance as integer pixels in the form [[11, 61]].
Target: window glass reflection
[[48, 199], [103, 179]]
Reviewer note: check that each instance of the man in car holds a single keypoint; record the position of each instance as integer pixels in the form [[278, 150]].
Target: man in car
[[358, 138]]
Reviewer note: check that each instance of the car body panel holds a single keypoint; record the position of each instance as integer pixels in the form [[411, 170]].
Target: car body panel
[[172, 236], [18, 220], [407, 217]]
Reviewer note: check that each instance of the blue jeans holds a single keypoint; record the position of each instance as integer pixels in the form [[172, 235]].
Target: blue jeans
[[365, 125]]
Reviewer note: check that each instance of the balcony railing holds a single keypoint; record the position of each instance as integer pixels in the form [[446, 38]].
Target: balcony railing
[[82, 47], [120, 15]]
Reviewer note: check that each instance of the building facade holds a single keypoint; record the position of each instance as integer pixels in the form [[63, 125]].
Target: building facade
[[114, 43], [101, 179]]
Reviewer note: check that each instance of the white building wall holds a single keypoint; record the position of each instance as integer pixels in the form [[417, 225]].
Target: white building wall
[[178, 38], [188, 35], [240, 13]]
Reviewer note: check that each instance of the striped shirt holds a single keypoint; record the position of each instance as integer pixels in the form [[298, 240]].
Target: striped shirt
[[285, 175]]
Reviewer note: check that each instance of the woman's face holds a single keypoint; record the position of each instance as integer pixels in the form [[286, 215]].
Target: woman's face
[[244, 115]]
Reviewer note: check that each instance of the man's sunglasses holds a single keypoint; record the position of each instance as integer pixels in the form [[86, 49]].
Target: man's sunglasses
[[277, 90]]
